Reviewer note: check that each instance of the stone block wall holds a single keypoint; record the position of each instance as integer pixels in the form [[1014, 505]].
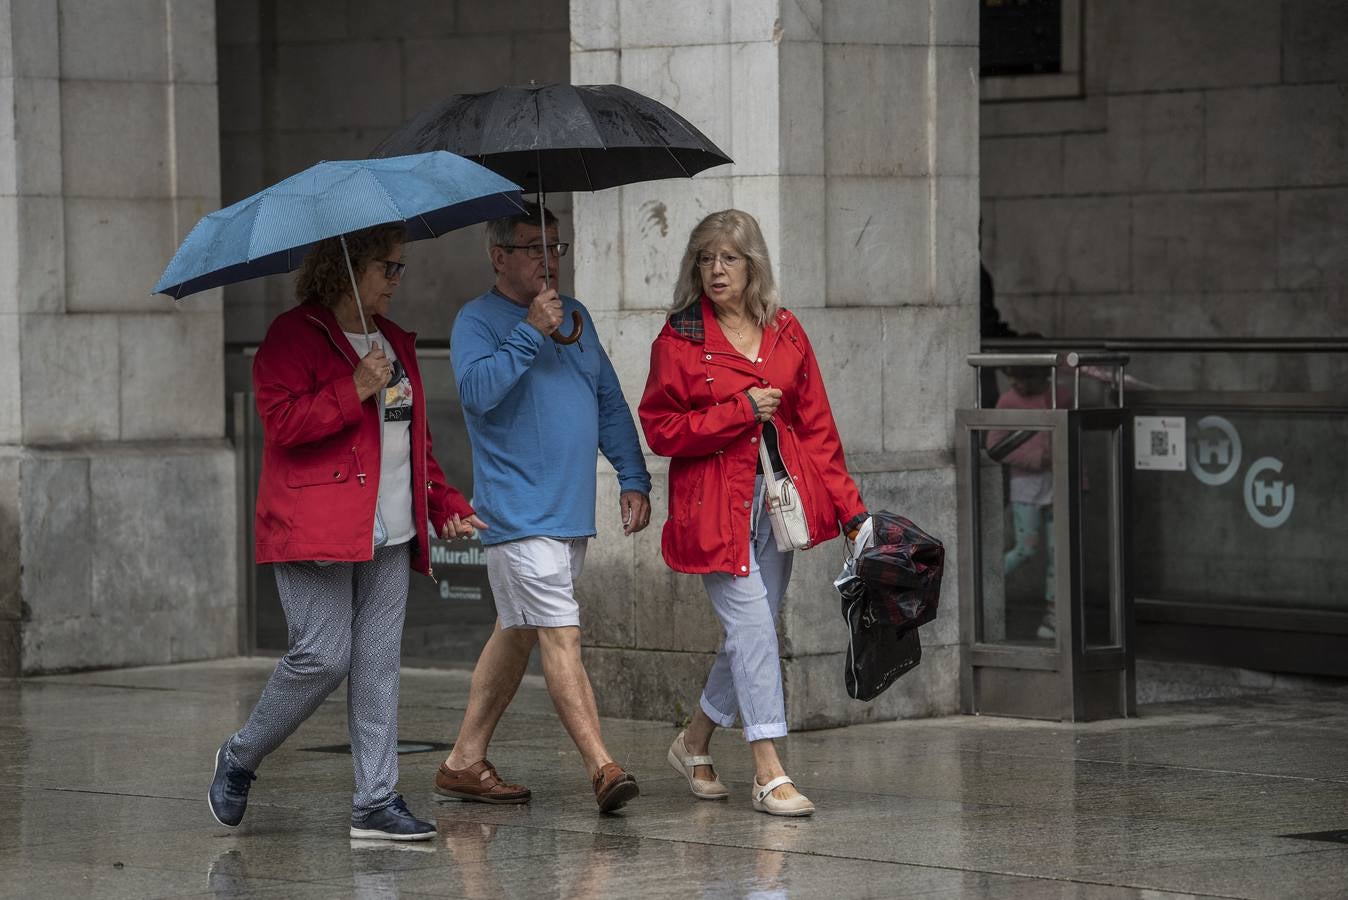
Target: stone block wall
[[302, 82], [1196, 189], [117, 520], [852, 127]]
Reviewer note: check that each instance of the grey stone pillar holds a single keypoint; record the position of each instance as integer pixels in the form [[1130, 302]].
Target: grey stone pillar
[[117, 507], [854, 132]]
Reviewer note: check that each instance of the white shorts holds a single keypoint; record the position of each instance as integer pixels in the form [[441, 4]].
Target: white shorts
[[532, 581]]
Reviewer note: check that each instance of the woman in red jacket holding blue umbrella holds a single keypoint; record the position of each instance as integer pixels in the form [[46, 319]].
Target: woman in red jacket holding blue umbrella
[[349, 491], [348, 497], [729, 369]]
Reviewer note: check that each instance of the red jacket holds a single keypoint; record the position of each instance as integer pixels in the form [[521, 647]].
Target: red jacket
[[321, 445], [695, 411]]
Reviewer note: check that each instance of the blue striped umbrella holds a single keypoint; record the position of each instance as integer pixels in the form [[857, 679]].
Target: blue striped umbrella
[[271, 231]]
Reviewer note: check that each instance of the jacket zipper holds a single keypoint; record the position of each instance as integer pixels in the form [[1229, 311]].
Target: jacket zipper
[[426, 492], [360, 469], [740, 358], [740, 363]]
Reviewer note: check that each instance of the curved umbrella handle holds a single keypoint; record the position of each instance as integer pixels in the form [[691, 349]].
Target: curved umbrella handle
[[577, 327]]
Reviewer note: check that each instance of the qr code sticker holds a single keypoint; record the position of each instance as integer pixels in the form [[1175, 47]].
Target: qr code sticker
[[1160, 443]]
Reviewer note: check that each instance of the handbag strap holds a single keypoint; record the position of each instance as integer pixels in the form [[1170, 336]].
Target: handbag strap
[[770, 482]]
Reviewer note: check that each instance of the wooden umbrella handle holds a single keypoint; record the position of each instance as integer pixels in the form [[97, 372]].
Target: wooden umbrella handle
[[577, 326]]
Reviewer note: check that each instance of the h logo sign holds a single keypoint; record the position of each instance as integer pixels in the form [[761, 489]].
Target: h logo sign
[[1274, 494], [1221, 449], [1218, 451], [1268, 494]]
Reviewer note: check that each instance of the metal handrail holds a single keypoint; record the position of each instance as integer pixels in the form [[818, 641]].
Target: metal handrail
[[1000, 360], [1075, 360], [1176, 345]]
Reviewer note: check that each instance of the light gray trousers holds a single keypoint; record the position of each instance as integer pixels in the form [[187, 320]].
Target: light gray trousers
[[746, 678], [345, 621]]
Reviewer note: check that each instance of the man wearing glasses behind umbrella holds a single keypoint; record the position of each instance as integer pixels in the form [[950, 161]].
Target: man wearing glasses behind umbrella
[[538, 414]]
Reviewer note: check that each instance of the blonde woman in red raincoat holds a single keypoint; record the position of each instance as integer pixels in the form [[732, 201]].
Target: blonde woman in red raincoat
[[729, 369]]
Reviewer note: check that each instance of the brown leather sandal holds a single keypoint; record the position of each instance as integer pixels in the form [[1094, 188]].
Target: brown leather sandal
[[479, 783], [613, 787]]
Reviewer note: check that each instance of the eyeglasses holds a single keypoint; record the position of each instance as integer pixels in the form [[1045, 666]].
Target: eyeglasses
[[729, 260], [535, 251], [392, 268]]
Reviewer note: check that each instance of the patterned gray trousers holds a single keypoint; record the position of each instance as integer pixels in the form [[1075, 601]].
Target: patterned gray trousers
[[345, 621]]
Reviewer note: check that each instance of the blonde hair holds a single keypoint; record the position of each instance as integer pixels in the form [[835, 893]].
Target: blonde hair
[[323, 276], [740, 230]]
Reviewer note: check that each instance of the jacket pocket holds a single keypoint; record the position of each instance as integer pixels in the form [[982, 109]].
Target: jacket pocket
[[308, 476], [685, 490]]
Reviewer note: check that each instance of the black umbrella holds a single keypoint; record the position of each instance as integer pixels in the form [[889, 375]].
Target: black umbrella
[[563, 136]]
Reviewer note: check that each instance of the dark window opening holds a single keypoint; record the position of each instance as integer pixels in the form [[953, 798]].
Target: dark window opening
[[1020, 37]]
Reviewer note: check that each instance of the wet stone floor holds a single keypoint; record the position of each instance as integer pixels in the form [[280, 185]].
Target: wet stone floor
[[104, 776]]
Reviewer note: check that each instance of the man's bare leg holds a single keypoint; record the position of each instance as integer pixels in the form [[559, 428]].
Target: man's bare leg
[[572, 696], [496, 677]]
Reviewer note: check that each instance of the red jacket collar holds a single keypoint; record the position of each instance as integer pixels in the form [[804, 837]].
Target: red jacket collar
[[321, 316], [716, 341]]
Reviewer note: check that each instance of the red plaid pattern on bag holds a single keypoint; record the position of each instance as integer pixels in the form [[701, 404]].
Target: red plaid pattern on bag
[[901, 572]]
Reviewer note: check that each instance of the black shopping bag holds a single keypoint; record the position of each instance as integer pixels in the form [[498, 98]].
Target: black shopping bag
[[877, 652], [901, 572]]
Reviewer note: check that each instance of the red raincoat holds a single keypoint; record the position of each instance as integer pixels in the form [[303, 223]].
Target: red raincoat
[[695, 411], [321, 445]]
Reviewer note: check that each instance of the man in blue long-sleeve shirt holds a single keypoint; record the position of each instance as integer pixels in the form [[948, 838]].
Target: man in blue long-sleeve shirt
[[538, 413]]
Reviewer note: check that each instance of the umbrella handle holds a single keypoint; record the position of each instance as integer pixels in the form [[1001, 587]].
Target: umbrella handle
[[577, 328], [577, 324]]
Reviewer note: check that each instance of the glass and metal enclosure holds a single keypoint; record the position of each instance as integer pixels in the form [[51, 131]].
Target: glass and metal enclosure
[[1044, 495], [1238, 534]]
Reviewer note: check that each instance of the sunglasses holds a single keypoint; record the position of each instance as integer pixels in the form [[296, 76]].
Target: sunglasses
[[392, 268]]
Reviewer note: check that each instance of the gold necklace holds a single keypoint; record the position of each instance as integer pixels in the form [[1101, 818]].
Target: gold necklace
[[726, 324]]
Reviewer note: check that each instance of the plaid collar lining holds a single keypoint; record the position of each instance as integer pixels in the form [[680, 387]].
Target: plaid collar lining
[[687, 324]]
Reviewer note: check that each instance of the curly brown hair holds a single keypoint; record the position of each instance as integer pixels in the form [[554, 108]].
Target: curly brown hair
[[323, 276]]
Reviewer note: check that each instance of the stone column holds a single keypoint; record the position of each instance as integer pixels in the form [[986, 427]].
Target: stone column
[[854, 131], [117, 507]]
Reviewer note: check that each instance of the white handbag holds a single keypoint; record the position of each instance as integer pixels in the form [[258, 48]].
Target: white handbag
[[784, 507]]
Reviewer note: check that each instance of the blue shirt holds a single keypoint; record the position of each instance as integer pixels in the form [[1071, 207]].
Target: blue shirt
[[538, 415]]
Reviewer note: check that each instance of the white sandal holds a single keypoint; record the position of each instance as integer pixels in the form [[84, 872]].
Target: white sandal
[[684, 763], [798, 805]]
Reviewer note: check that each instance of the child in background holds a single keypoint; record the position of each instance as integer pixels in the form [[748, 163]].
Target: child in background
[[1031, 488]]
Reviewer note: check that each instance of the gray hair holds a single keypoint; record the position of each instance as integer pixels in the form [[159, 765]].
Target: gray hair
[[502, 231], [740, 230]]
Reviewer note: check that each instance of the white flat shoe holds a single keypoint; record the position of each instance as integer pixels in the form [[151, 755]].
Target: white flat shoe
[[684, 763], [798, 805]]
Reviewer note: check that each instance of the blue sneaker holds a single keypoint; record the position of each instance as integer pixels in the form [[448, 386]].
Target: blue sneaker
[[391, 823], [228, 796]]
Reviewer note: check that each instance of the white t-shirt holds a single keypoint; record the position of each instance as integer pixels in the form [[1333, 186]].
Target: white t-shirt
[[395, 472]]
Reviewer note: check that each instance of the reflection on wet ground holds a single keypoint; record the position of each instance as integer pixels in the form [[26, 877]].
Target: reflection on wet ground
[[103, 777]]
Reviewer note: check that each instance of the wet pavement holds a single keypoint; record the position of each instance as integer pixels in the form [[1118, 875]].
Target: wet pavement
[[104, 777]]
